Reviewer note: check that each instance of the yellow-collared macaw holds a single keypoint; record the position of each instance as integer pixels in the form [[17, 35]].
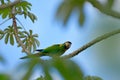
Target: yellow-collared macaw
[[55, 50]]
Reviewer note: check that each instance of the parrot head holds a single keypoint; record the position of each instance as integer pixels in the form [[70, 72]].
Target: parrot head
[[67, 44]]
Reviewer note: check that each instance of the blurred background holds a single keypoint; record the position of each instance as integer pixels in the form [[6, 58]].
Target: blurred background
[[102, 59]]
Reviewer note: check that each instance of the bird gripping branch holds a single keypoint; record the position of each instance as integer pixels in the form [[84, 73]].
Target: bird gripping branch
[[55, 50]]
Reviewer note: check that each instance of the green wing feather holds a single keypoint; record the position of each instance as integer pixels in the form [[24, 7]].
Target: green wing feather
[[33, 55], [56, 49]]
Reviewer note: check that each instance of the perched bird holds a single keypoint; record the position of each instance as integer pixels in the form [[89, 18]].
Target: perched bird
[[55, 50]]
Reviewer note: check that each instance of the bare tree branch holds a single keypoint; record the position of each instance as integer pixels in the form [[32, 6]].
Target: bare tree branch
[[9, 5], [4, 21], [98, 39], [16, 33]]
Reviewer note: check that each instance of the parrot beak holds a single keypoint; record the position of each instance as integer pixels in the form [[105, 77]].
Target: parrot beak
[[68, 44]]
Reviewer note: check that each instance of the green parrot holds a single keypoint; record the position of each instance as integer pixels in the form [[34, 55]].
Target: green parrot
[[55, 50]]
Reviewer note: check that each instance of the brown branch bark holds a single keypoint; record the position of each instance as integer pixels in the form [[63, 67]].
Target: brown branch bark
[[16, 33], [9, 5], [91, 43]]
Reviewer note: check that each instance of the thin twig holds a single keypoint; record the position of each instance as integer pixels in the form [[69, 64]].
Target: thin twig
[[20, 23], [4, 21], [98, 39]]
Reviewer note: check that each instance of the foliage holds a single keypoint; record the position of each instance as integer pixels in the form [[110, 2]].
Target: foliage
[[92, 78], [29, 39], [67, 69], [67, 7], [9, 33], [5, 77], [20, 9]]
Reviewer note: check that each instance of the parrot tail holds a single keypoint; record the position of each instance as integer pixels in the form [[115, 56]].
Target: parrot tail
[[24, 57], [40, 50], [33, 55]]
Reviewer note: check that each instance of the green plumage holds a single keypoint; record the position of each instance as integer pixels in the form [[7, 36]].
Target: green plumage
[[53, 51]]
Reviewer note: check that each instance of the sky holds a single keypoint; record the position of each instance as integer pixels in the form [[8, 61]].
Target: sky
[[52, 32]]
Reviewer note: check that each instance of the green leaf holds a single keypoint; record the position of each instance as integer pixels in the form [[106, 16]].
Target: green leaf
[[5, 77], [92, 78], [28, 7], [5, 12], [110, 3], [32, 17], [26, 44], [37, 42], [81, 17], [64, 11], [46, 69], [68, 69], [67, 7], [25, 14], [2, 1], [25, 32], [24, 8], [5, 15], [1, 36], [24, 40], [47, 75], [67, 14], [21, 33], [19, 27], [34, 46], [41, 78], [24, 5], [22, 36], [35, 35], [29, 70], [30, 32], [7, 38], [30, 41], [6, 29], [1, 32], [11, 40]]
